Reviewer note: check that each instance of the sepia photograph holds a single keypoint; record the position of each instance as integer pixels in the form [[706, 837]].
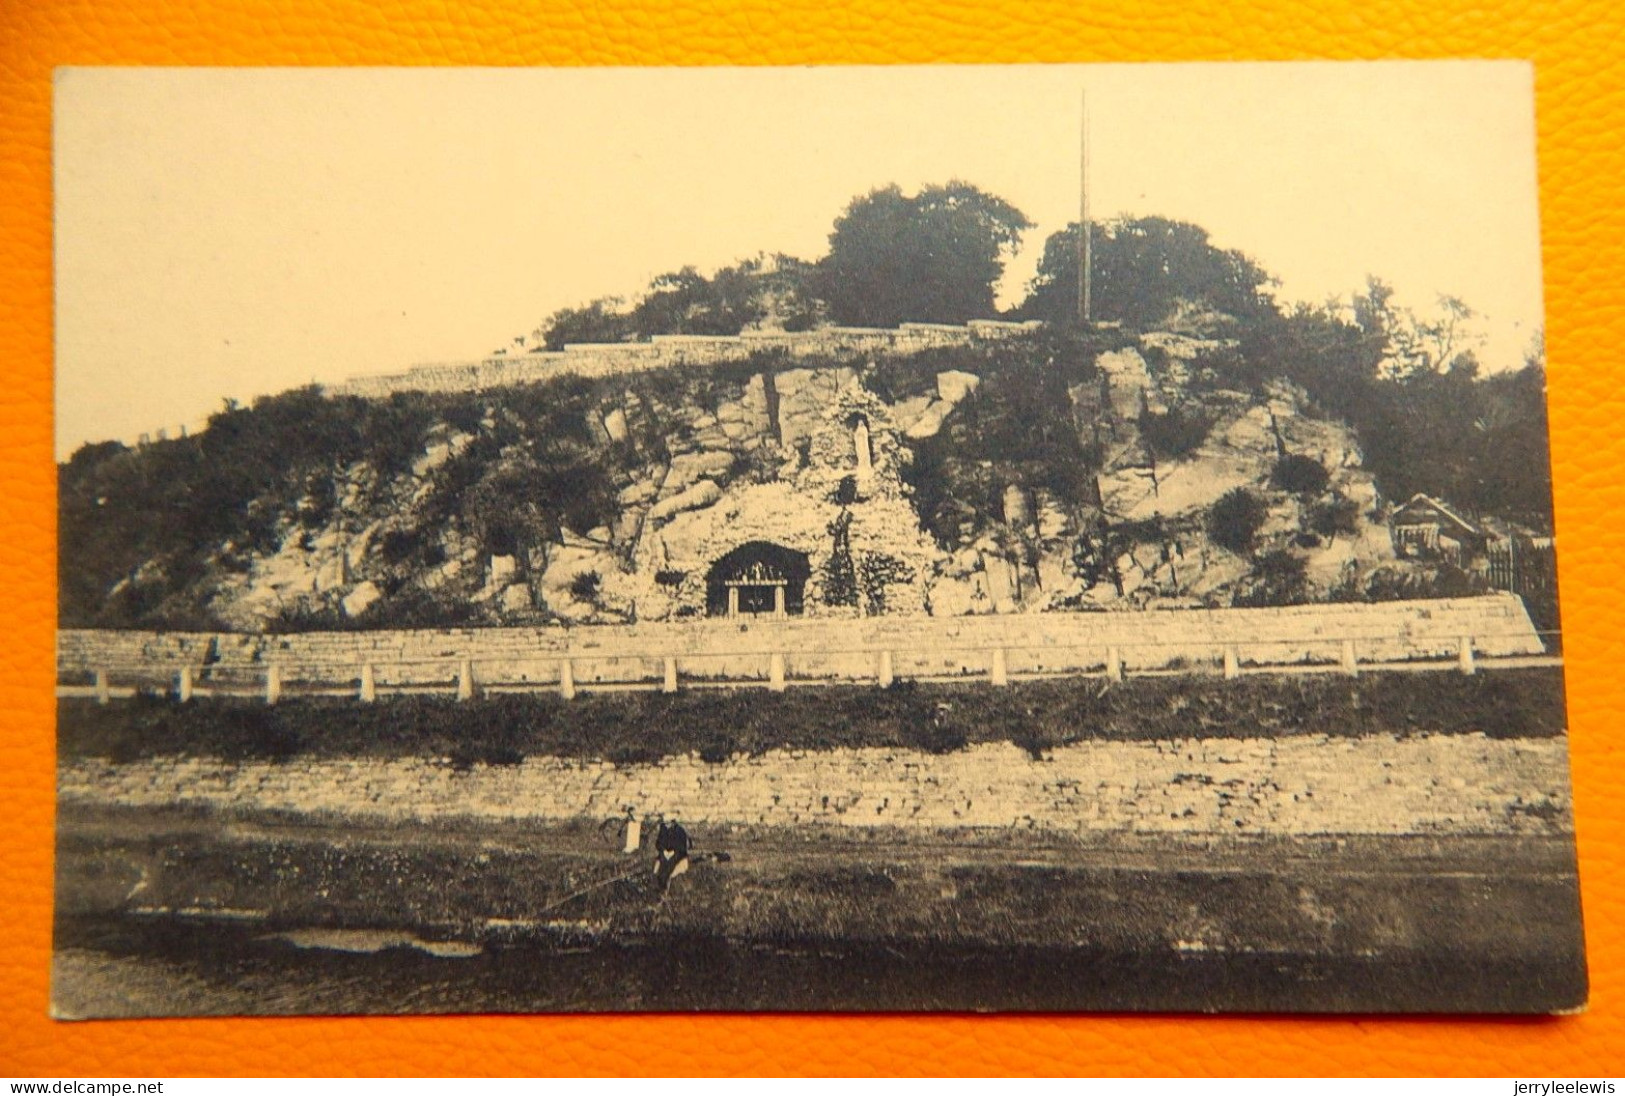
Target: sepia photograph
[[958, 538]]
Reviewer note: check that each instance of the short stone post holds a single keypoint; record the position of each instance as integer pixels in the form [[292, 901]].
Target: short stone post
[[1465, 655], [1114, 664], [1000, 673], [1232, 663], [775, 672], [369, 684], [885, 676], [668, 684], [1351, 664], [567, 680], [104, 692], [465, 679], [183, 684], [273, 683]]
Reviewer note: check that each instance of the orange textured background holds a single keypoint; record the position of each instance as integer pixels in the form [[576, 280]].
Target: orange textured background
[[1581, 100]]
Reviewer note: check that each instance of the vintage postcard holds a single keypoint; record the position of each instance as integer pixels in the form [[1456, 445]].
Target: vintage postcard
[[972, 538]]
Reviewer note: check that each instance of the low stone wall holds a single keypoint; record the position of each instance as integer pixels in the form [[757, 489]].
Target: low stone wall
[[819, 649], [613, 359], [1435, 784]]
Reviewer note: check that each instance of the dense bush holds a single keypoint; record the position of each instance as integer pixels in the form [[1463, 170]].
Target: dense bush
[[141, 527], [840, 570], [1480, 442], [303, 617], [932, 257], [1338, 515], [1300, 475], [1176, 433], [877, 572], [605, 320], [1018, 428], [146, 531], [1234, 520], [776, 289], [1277, 578], [1437, 580]]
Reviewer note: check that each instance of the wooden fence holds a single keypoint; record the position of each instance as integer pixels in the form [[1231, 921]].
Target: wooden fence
[[1526, 569]]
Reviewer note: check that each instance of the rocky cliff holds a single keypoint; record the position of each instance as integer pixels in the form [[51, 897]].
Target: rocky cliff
[[1038, 472]]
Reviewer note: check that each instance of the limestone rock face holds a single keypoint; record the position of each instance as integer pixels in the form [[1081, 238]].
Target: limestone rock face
[[1183, 347], [701, 494], [812, 459], [595, 427], [360, 599], [1003, 586], [1127, 380], [1167, 499], [961, 596], [1053, 522], [333, 574], [804, 396], [502, 571], [690, 467], [568, 590], [640, 490], [906, 412], [433, 457], [566, 563], [355, 552], [1057, 580], [954, 385], [515, 599], [445, 573], [929, 421], [437, 453], [843, 507], [756, 418]]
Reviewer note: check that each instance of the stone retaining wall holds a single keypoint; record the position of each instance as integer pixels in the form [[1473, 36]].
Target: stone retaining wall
[[820, 649], [1299, 785], [613, 359]]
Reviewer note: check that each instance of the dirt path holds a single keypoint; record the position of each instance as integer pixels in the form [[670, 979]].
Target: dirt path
[[1351, 855]]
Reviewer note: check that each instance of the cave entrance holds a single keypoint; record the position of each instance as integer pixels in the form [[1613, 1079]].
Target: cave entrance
[[758, 579]]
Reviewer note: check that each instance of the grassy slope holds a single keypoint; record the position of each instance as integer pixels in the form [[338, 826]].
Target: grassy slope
[[634, 727]]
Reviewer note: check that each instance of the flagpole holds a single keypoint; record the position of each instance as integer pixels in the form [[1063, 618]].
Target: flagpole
[[1084, 242]]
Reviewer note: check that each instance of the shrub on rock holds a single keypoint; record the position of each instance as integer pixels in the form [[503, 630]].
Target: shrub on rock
[[1300, 475], [1234, 520]]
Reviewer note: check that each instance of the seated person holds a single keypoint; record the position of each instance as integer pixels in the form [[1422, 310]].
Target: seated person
[[671, 851]]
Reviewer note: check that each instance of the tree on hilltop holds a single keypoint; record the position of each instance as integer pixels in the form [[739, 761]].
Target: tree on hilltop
[[931, 258], [605, 320], [1418, 345], [766, 289], [1142, 270]]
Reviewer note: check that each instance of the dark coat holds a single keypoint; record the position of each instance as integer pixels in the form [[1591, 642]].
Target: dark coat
[[671, 839]]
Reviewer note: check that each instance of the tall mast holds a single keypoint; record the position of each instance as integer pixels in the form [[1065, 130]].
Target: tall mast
[[1084, 242]]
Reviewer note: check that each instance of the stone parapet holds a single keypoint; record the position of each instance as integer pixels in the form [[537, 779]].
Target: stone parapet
[[662, 351], [825, 649]]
